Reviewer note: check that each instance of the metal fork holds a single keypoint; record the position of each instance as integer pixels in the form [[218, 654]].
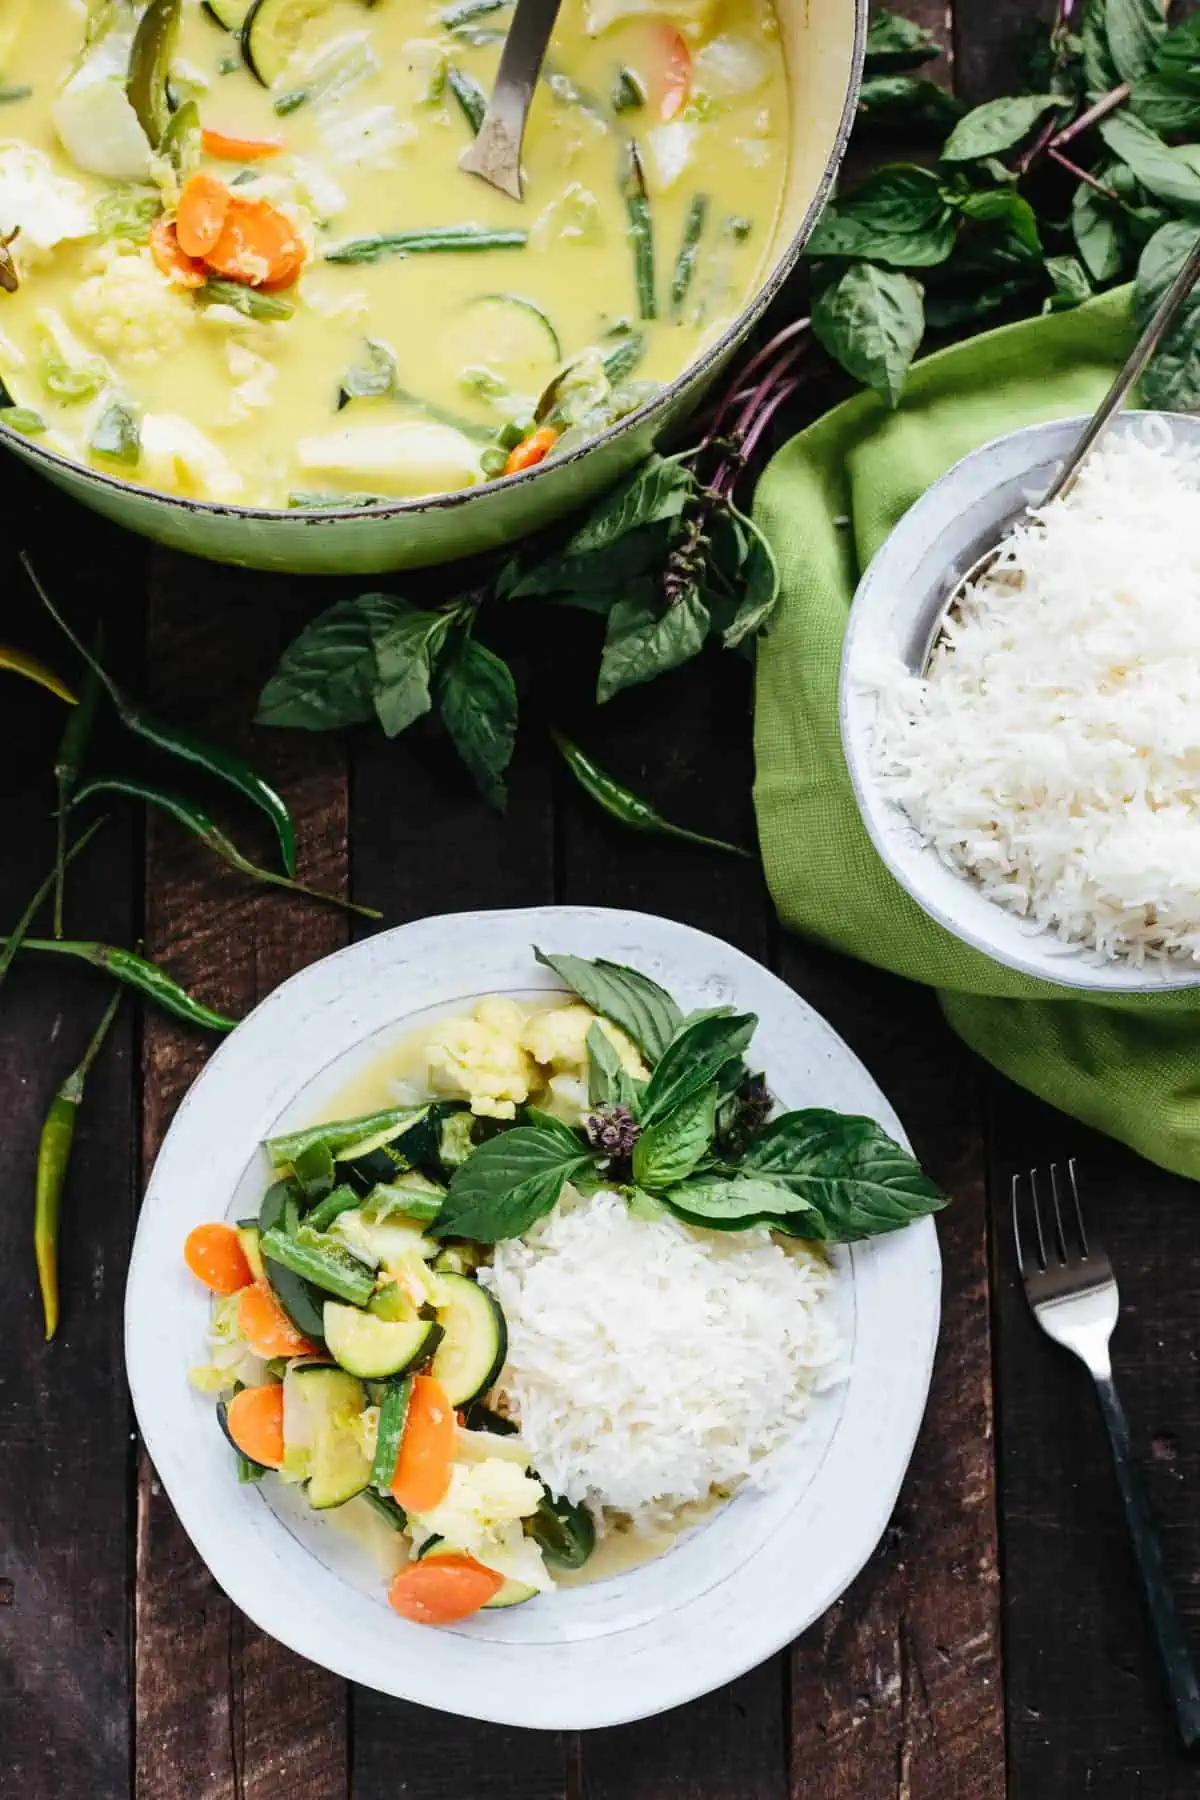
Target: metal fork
[[1070, 1285]]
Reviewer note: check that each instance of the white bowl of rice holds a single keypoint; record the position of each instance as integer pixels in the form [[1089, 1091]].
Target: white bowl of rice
[[1037, 792]]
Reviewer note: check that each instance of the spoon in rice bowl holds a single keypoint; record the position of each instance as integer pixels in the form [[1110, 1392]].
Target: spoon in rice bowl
[[1164, 316]]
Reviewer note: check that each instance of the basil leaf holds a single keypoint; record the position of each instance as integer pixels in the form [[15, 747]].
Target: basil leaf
[[1098, 236], [872, 320], [666, 1153], [898, 102], [944, 311], [1001, 206], [898, 215], [1162, 171], [644, 1011], [1099, 70], [695, 1056], [646, 638], [1172, 379], [658, 489], [737, 1203], [639, 552], [326, 678], [372, 376], [571, 1140], [478, 703], [997, 125], [894, 43], [760, 596], [405, 651], [897, 197], [609, 1083], [1177, 57], [1166, 106], [858, 1180], [1135, 29], [507, 1184], [1071, 286]]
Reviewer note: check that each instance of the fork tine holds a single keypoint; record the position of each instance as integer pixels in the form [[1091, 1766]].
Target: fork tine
[[1064, 1248], [1026, 1261], [1083, 1242], [1043, 1259]]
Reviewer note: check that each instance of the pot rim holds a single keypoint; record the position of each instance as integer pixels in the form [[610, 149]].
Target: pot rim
[[53, 460]]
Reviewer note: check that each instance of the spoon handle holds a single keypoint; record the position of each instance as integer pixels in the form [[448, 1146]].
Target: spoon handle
[[1143, 350], [496, 153]]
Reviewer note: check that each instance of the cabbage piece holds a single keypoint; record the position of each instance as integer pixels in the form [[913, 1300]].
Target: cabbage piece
[[92, 113], [408, 458], [178, 457], [730, 65]]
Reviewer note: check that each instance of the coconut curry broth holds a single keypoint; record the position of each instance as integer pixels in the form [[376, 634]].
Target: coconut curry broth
[[370, 113]]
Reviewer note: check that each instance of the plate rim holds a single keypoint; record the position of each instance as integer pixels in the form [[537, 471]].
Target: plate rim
[[401, 1678]]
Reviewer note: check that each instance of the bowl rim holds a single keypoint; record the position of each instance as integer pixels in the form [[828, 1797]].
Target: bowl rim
[[707, 364], [883, 817], [893, 1290]]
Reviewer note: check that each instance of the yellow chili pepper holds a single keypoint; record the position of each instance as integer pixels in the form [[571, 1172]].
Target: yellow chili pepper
[[21, 663]]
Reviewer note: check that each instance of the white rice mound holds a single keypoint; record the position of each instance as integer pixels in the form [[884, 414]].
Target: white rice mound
[[649, 1364], [1052, 753]]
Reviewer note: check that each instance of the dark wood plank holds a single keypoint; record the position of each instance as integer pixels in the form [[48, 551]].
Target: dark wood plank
[[991, 44], [1087, 1709], [64, 1410], [897, 1691], [223, 1712], [424, 843], [685, 743]]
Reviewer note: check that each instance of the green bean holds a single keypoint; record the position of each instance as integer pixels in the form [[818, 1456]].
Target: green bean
[[685, 262], [250, 301], [13, 92], [17, 936], [639, 230], [68, 762], [626, 807], [210, 758], [469, 10], [301, 500], [127, 966], [54, 1156], [420, 242], [195, 820], [472, 100], [624, 357], [150, 66]]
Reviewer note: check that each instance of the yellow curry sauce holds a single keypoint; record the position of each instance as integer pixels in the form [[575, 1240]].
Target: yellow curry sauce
[[388, 374]]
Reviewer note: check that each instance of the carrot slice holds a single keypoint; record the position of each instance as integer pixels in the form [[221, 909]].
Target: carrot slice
[[172, 261], [258, 245], [266, 1327], [442, 1589], [532, 449], [255, 1421], [215, 1257], [200, 215], [426, 1449], [675, 82], [239, 149]]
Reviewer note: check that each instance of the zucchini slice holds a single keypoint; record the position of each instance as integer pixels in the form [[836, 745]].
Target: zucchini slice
[[472, 1351], [320, 1408], [230, 14], [371, 1347], [301, 1303], [273, 31], [508, 336], [248, 1238]]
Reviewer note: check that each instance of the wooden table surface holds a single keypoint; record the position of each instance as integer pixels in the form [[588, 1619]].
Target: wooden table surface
[[993, 1645]]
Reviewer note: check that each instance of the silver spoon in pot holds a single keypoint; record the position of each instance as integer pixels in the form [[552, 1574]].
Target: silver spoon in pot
[[496, 153], [1089, 437]]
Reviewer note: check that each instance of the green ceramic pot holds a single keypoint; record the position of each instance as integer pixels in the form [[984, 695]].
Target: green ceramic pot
[[823, 43]]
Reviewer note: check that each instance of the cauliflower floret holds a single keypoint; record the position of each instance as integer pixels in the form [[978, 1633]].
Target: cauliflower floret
[[130, 310], [558, 1040], [44, 208], [483, 1499], [483, 1059]]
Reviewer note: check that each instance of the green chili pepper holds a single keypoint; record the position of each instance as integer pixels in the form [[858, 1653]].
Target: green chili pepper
[[685, 262], [471, 98], [72, 748], [182, 144], [150, 67], [221, 764], [628, 91], [135, 972], [17, 936], [54, 1156], [324, 1263], [626, 807], [195, 820], [639, 229]]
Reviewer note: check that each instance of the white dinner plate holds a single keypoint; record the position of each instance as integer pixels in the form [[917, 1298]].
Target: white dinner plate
[[735, 1590]]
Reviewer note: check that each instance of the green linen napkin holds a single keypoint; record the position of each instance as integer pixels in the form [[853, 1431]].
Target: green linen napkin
[[1131, 1066]]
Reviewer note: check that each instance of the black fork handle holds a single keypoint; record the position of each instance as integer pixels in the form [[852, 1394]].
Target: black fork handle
[[1177, 1662]]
